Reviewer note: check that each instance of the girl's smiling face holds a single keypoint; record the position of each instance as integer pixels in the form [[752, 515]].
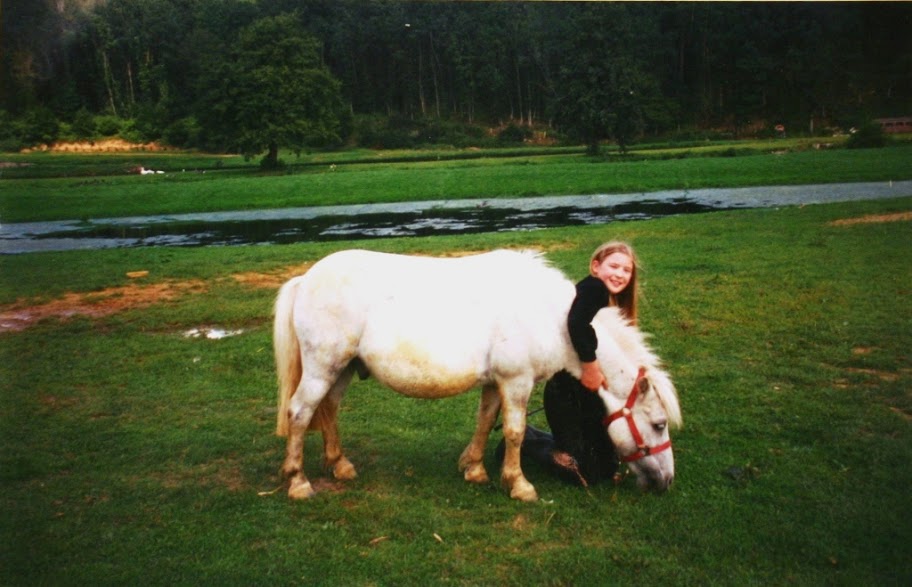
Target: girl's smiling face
[[615, 271]]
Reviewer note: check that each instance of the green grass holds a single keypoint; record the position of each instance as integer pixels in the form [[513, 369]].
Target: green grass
[[363, 180], [130, 454]]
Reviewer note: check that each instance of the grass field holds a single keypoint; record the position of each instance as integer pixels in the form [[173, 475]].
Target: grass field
[[132, 453]]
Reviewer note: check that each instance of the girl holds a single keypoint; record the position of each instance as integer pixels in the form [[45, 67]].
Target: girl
[[611, 282], [578, 448]]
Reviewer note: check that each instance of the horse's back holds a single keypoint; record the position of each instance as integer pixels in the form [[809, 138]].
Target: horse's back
[[372, 278]]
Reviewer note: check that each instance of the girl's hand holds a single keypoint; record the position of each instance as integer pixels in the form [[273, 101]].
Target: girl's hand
[[592, 378]]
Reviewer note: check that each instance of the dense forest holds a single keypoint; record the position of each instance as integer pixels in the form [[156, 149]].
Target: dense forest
[[251, 75]]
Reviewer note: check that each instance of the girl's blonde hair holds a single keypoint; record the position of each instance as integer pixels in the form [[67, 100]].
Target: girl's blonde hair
[[626, 301]]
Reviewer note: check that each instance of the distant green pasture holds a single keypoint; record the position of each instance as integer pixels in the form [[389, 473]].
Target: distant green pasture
[[131, 454], [29, 194]]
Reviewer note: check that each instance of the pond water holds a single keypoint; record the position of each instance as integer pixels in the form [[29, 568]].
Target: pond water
[[411, 219]]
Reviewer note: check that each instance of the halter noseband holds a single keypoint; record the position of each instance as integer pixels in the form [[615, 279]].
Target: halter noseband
[[627, 413]]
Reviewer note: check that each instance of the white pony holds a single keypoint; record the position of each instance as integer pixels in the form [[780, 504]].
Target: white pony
[[433, 328]]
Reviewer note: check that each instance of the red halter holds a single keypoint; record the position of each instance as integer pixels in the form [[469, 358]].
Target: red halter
[[627, 413]]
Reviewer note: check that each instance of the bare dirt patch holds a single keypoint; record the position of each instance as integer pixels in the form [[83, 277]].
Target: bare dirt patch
[[862, 350], [22, 315], [272, 279], [874, 219]]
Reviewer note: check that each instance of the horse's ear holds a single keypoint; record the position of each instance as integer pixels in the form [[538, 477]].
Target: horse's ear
[[643, 385]]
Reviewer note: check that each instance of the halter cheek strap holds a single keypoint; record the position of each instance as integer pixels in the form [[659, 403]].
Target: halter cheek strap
[[627, 413]]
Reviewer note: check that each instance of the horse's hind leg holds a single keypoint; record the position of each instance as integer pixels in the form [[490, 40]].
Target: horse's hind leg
[[471, 460], [303, 407], [327, 412]]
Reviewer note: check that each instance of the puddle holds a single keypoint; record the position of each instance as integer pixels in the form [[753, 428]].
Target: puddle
[[211, 333]]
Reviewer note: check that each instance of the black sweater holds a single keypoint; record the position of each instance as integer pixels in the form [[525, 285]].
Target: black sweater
[[591, 296]]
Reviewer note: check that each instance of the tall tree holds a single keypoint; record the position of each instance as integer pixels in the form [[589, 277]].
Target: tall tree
[[27, 28], [602, 80], [273, 92], [714, 65]]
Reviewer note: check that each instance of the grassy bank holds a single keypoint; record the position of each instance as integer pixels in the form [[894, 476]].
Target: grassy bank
[[133, 454], [183, 189]]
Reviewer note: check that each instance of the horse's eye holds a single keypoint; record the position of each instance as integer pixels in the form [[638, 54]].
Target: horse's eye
[[659, 426]]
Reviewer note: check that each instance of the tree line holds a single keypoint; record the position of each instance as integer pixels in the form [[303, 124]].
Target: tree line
[[248, 75]]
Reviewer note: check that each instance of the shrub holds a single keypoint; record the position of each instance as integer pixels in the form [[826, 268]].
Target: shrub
[[130, 131], [6, 125], [513, 134], [83, 125], [399, 132], [9, 138], [148, 123], [869, 136], [39, 126], [184, 132], [107, 125], [382, 133]]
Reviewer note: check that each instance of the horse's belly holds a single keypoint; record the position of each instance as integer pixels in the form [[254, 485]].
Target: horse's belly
[[422, 380], [426, 358]]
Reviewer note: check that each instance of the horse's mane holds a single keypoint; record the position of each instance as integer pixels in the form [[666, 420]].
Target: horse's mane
[[632, 342]]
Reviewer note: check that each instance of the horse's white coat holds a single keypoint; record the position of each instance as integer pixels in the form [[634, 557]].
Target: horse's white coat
[[433, 328]]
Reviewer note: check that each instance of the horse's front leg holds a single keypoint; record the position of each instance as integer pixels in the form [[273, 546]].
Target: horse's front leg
[[515, 398], [472, 459]]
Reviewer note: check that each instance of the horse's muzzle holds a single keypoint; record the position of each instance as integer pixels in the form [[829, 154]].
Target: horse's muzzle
[[655, 480]]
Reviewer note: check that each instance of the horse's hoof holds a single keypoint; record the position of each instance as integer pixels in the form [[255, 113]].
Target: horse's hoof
[[475, 473], [523, 491], [300, 489], [343, 470]]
